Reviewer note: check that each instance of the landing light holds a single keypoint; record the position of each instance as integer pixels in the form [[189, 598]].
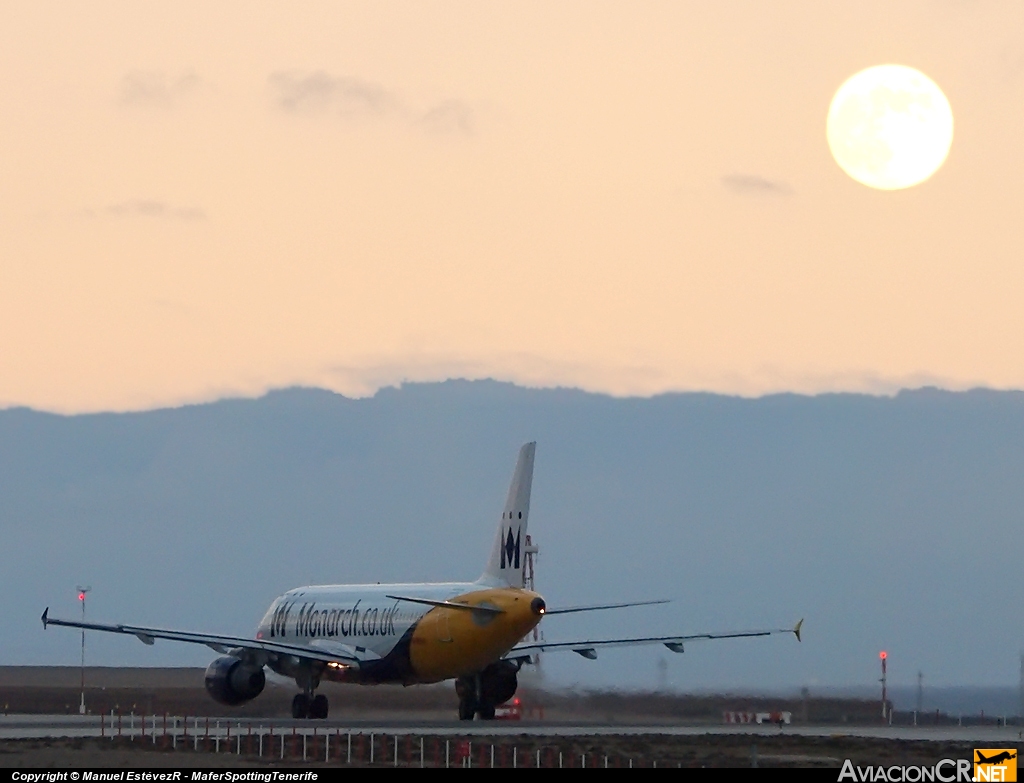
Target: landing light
[[336, 665]]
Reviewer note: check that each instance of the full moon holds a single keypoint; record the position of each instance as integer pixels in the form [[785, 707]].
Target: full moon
[[890, 127]]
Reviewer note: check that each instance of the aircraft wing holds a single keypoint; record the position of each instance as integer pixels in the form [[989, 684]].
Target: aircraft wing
[[222, 644], [588, 649]]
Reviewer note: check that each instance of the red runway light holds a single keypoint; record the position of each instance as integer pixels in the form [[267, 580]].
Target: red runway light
[[81, 596], [883, 655]]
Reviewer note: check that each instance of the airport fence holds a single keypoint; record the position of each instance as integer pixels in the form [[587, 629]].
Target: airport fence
[[340, 746]]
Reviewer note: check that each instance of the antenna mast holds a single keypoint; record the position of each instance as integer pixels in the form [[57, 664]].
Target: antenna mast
[[531, 550]]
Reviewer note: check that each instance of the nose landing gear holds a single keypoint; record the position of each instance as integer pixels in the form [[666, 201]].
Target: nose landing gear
[[305, 704]]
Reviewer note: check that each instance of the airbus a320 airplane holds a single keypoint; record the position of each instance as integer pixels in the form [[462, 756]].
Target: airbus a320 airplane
[[403, 633]]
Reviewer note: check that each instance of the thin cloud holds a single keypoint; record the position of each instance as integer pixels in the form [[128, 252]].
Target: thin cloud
[[448, 117], [151, 208], [352, 98], [755, 185], [321, 92], [188, 213], [156, 88], [366, 375]]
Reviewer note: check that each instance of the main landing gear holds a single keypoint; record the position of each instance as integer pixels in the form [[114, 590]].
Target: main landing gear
[[305, 705], [470, 705], [479, 694]]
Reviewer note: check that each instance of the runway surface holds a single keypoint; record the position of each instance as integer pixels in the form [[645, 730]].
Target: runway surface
[[39, 726]]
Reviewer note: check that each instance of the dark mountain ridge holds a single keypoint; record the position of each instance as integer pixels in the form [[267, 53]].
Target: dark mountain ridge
[[888, 522]]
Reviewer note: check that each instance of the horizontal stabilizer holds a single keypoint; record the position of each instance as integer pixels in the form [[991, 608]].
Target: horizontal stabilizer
[[448, 604], [598, 607]]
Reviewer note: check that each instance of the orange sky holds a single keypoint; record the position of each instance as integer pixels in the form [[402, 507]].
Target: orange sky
[[205, 199]]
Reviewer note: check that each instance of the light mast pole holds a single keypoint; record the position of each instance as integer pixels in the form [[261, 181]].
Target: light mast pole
[[884, 655], [81, 598]]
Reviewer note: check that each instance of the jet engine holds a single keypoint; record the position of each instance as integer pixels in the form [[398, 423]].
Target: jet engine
[[232, 681]]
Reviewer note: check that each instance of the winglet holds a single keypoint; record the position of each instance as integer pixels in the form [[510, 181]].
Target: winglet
[[46, 611], [796, 629]]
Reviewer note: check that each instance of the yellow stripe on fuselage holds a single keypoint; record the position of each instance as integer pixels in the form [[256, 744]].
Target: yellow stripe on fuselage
[[451, 643]]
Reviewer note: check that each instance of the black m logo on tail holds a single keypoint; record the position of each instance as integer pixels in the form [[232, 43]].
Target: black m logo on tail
[[510, 551]]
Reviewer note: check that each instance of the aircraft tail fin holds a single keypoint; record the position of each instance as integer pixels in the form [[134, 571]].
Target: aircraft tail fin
[[508, 555]]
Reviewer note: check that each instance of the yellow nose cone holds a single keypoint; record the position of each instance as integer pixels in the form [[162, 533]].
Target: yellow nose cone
[[450, 642]]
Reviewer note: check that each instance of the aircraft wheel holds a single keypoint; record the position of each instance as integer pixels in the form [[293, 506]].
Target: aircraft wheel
[[486, 711], [466, 709], [318, 709], [300, 706]]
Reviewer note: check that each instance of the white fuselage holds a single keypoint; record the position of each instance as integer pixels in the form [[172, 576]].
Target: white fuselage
[[354, 615], [398, 640]]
